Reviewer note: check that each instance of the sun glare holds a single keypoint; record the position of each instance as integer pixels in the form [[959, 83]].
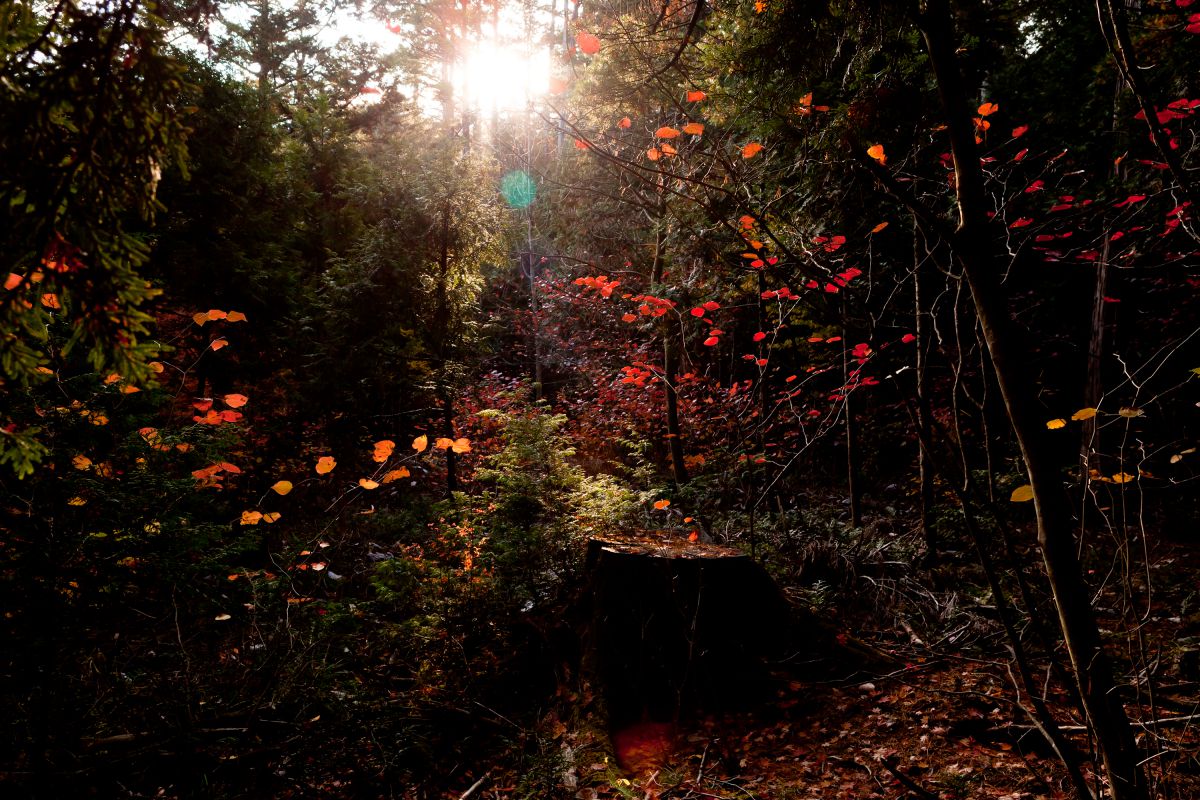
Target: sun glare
[[503, 78]]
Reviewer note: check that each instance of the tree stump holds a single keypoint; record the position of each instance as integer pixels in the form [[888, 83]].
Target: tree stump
[[681, 627]]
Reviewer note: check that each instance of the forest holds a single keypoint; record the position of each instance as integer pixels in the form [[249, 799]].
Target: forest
[[644, 399]]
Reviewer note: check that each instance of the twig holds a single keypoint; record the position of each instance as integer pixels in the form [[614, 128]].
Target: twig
[[475, 786], [908, 782]]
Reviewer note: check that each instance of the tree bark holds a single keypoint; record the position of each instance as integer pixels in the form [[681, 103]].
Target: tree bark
[[972, 246]]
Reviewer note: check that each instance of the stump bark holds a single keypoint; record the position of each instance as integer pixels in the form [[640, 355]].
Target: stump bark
[[681, 627]]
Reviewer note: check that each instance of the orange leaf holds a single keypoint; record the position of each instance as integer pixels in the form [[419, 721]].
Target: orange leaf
[[271, 516], [747, 221], [666, 132], [589, 43], [251, 517], [668, 150], [625, 122], [1022, 494], [81, 462], [217, 344], [443, 443], [50, 300], [557, 86], [325, 464], [396, 475], [200, 318], [156, 366], [875, 151], [461, 445], [653, 154], [693, 128], [879, 227], [988, 108], [659, 505], [367, 483], [1055, 424], [235, 316], [751, 150], [420, 443], [383, 450], [236, 400], [580, 144], [282, 487], [12, 281], [216, 313], [696, 96]]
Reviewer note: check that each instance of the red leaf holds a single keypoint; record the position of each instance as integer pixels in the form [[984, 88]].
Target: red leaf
[[1019, 131]]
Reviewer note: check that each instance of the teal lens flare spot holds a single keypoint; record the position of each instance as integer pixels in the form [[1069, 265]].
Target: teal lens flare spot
[[518, 189]]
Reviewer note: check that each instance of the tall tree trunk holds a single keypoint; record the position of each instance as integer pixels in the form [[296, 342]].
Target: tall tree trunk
[[852, 483], [670, 366], [925, 460], [972, 245]]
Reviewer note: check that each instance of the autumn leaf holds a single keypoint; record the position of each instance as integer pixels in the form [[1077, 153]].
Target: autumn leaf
[[653, 154], [580, 144], [1123, 477], [461, 445], [1083, 413], [236, 400], [217, 344], [50, 300], [271, 516], [711, 341], [383, 450], [216, 314], [282, 487], [235, 316], [1055, 424], [12, 281], [81, 462], [693, 128], [875, 151], [668, 150], [746, 221], [1022, 494], [367, 483], [1129, 412], [696, 96], [557, 86], [987, 109], [589, 43], [659, 505], [325, 464], [1019, 131], [879, 227], [251, 517], [751, 150], [625, 123], [200, 318], [396, 475], [666, 132], [222, 617]]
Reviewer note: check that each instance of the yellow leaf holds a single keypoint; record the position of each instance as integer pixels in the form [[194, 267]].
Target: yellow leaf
[[1129, 412], [875, 151], [659, 505], [666, 132], [420, 443], [1083, 413], [81, 462], [751, 150], [1022, 494], [693, 128], [282, 487], [1122, 477], [396, 475], [251, 517], [461, 445], [1055, 424], [367, 483], [77, 501], [325, 464]]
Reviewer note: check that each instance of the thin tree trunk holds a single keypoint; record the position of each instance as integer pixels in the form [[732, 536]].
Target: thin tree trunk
[[924, 462], [670, 370], [1093, 670]]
